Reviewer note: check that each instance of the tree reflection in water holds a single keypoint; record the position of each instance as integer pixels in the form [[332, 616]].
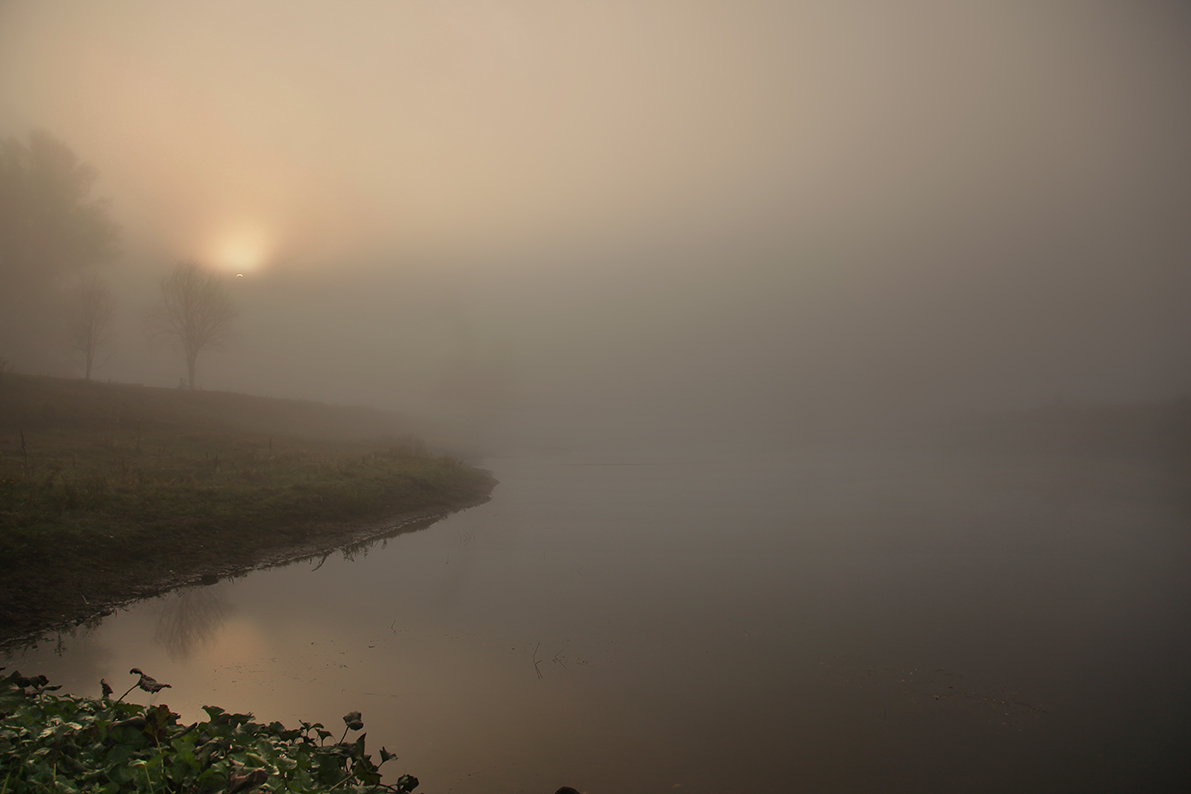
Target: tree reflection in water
[[191, 619]]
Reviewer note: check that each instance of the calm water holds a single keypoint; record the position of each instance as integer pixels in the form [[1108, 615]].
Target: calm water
[[820, 621]]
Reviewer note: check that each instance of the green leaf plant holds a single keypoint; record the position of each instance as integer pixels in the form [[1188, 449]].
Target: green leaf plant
[[69, 744]]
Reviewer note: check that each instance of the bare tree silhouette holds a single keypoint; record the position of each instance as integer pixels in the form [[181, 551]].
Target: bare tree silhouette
[[91, 323], [191, 619], [51, 227], [196, 312]]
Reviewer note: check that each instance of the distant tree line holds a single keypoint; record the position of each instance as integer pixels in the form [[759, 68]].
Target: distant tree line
[[51, 231], [55, 238]]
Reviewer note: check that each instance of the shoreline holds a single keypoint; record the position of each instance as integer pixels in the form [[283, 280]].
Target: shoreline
[[319, 540]]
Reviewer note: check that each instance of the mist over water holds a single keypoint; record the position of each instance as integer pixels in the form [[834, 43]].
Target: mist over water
[[714, 289]]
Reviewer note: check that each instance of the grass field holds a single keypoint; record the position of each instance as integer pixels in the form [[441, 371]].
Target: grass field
[[108, 491]]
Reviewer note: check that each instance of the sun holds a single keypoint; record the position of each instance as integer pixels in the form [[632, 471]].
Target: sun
[[242, 250]]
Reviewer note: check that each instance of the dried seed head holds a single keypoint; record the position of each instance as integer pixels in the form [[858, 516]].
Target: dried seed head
[[148, 684]]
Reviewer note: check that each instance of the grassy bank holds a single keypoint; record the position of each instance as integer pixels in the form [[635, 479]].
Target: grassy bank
[[108, 492]]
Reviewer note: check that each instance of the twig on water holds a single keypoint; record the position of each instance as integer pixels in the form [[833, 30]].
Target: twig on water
[[559, 661], [537, 661]]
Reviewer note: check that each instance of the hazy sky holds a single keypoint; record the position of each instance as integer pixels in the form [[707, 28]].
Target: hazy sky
[[713, 207]]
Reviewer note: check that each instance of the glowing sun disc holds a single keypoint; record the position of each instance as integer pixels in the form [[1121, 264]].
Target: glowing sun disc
[[241, 252]]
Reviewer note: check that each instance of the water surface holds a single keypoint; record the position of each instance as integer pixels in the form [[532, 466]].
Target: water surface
[[826, 620]]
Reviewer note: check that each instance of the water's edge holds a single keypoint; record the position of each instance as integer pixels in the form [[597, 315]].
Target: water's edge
[[323, 540]]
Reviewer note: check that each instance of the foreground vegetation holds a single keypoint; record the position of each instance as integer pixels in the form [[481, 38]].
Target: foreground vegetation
[[70, 744], [109, 492]]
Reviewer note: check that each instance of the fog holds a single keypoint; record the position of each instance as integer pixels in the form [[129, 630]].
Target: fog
[[540, 222], [833, 359]]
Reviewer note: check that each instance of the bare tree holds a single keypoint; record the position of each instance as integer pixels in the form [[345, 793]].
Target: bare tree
[[51, 229], [196, 312], [91, 324]]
